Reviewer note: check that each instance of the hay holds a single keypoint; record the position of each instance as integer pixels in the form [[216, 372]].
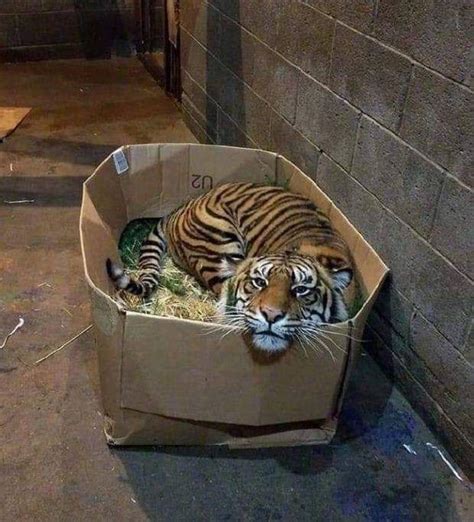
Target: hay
[[178, 295]]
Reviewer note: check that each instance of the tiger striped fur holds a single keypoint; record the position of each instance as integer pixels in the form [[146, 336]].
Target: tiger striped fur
[[288, 267]]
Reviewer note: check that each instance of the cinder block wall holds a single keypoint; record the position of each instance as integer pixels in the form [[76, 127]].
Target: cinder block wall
[[373, 100], [49, 29]]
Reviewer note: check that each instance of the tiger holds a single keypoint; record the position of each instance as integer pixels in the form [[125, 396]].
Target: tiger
[[270, 256]]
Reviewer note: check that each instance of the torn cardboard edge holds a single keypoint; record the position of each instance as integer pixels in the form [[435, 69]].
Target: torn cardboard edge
[[205, 390], [10, 119]]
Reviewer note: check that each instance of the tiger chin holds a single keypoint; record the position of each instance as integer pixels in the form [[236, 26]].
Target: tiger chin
[[272, 258], [282, 298]]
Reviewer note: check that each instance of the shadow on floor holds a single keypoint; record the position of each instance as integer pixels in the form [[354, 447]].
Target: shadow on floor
[[364, 474], [57, 150], [49, 191]]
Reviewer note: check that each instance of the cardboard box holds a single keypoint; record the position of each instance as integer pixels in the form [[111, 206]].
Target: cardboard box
[[171, 381]]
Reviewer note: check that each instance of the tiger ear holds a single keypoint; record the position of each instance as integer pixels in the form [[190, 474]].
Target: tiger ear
[[341, 277]]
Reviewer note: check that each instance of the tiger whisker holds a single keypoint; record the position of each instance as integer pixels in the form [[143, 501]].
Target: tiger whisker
[[242, 330], [302, 344], [325, 346], [318, 334], [304, 340], [317, 330], [332, 325]]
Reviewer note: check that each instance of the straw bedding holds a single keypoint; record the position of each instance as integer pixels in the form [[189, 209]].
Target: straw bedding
[[179, 294]]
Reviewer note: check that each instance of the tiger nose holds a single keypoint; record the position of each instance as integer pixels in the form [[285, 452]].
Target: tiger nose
[[271, 314]]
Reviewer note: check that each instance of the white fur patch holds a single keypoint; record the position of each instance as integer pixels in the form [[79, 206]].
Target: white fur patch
[[227, 269], [269, 343]]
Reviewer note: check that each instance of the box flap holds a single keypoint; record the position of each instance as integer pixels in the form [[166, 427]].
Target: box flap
[[183, 369]]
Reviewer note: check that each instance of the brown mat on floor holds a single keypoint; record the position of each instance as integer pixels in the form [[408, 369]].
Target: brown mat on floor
[[10, 118]]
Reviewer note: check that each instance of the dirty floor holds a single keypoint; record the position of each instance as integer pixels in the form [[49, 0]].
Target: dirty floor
[[54, 463]]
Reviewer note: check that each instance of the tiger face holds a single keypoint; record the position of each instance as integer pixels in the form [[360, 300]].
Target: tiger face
[[279, 298]]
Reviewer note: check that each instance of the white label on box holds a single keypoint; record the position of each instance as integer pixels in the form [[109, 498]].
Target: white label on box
[[121, 163]]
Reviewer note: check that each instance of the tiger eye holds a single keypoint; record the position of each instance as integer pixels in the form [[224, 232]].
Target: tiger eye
[[259, 282], [301, 290]]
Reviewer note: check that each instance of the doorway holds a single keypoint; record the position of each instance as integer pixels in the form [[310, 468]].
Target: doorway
[[162, 61]]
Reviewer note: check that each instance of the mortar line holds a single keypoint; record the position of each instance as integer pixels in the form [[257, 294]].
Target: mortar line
[[405, 94], [356, 141], [333, 44], [375, 12], [468, 333], [437, 210]]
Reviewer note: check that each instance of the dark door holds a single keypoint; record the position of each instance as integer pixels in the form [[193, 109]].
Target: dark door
[[158, 41], [171, 49]]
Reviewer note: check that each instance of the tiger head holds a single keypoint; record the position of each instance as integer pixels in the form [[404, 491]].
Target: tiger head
[[283, 297]]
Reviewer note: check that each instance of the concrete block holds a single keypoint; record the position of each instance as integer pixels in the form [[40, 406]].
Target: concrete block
[[370, 76], [395, 309], [229, 7], [360, 207], [444, 362], [157, 27], [103, 30], [400, 177], [453, 230], [62, 5], [20, 6], [200, 117], [8, 31], [395, 243], [356, 13], [197, 122], [286, 140], [236, 50], [253, 117], [437, 121], [194, 59], [202, 21], [192, 124], [442, 294], [437, 33], [260, 17], [228, 133], [51, 28], [42, 52], [468, 348], [326, 120], [203, 104], [388, 235], [239, 102], [276, 81], [311, 48], [94, 4]]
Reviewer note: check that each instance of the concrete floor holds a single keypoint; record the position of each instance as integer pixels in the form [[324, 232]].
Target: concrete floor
[[54, 463]]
